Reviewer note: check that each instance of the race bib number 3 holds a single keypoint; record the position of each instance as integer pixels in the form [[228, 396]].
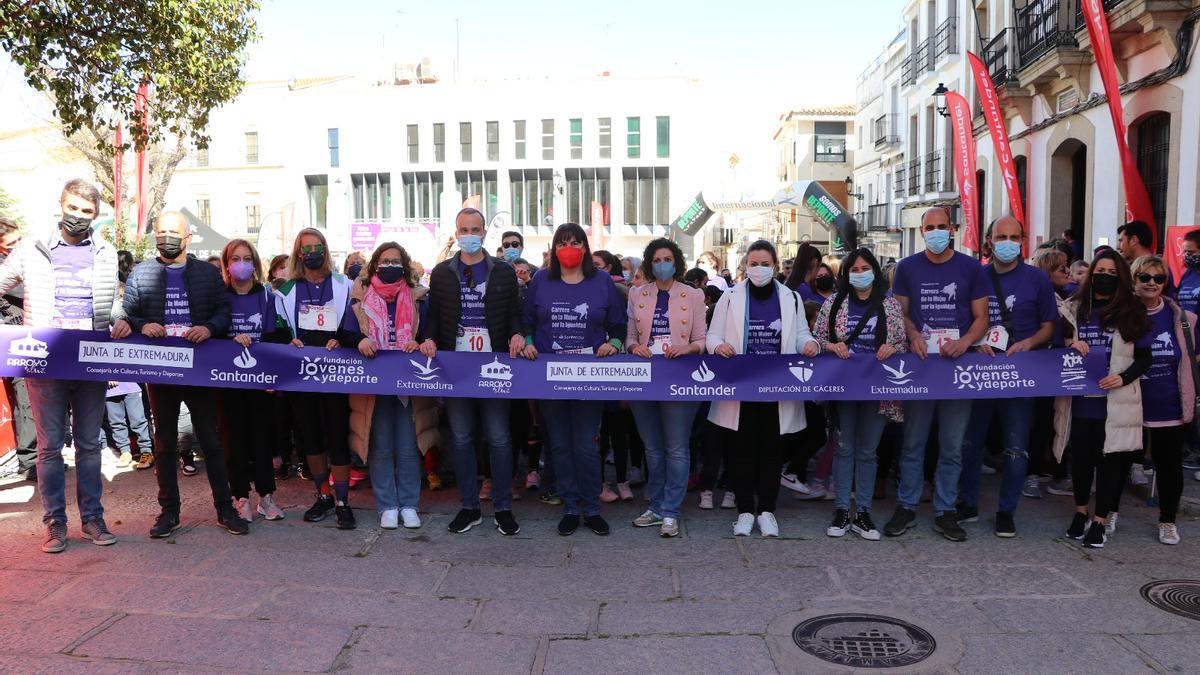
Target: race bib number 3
[[318, 318], [939, 337], [996, 337], [473, 340]]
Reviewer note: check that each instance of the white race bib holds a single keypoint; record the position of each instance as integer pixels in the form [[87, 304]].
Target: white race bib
[[176, 329], [318, 318], [658, 344], [939, 337], [582, 350], [996, 337], [473, 340], [71, 324]]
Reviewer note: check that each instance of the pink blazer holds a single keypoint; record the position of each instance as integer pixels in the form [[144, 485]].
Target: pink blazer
[[685, 313]]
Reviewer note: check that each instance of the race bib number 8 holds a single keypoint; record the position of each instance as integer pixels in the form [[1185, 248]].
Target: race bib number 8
[[318, 318]]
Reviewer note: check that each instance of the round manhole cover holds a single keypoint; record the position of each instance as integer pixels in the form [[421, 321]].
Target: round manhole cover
[[1177, 596], [864, 640]]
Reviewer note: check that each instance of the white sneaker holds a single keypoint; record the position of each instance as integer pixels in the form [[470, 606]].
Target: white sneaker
[[389, 519], [1137, 475], [987, 470], [729, 501], [767, 524], [647, 519], [625, 492], [744, 525], [1168, 534], [607, 495], [268, 509], [485, 490], [669, 528], [706, 502], [243, 509], [789, 481], [410, 518], [1110, 525], [1031, 489], [1196, 475]]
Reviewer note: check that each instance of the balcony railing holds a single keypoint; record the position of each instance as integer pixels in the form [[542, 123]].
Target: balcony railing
[[999, 58], [923, 58], [933, 171], [1042, 26], [945, 41], [884, 131], [877, 217], [908, 73], [899, 181], [1109, 5], [914, 177]]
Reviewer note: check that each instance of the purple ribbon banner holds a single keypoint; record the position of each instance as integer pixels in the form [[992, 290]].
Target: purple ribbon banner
[[89, 355]]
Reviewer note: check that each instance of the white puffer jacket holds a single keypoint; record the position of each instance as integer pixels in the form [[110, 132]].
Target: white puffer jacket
[[30, 264]]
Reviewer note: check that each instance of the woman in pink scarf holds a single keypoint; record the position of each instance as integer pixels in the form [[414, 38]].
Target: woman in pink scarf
[[389, 316]]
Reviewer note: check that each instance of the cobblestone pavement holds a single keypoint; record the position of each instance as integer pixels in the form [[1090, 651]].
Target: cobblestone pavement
[[298, 597]]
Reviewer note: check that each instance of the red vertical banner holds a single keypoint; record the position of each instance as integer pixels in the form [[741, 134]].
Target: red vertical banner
[[141, 107], [995, 122], [1173, 250], [118, 170], [964, 166], [1137, 200]]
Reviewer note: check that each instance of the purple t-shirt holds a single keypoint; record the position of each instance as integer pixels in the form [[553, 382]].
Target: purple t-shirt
[[307, 293], [1189, 291], [661, 325], [177, 312], [1099, 341], [1029, 296], [569, 317], [765, 326], [73, 284], [472, 315], [251, 314], [122, 389], [940, 294], [855, 311], [807, 294], [1160, 384]]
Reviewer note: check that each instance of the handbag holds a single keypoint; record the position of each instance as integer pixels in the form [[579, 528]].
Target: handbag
[[1191, 357]]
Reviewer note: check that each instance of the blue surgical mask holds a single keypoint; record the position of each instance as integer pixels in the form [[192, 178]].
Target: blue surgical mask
[[862, 280], [512, 255], [937, 241], [1006, 251], [627, 276], [470, 243], [664, 270]]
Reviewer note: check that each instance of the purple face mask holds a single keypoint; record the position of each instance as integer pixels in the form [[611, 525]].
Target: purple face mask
[[241, 270]]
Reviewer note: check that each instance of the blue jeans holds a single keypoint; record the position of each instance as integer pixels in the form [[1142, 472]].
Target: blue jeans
[[462, 414], [952, 416], [1016, 416], [666, 430], [127, 418], [571, 429], [393, 458], [860, 428], [49, 400]]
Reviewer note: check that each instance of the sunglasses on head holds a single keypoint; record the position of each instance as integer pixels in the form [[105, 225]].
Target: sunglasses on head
[[1159, 279]]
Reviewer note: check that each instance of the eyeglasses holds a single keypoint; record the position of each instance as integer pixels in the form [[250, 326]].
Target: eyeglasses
[[511, 244], [313, 248], [1159, 279]]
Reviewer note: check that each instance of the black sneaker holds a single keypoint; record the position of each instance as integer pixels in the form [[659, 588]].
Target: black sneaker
[[568, 525], [302, 470], [966, 514], [283, 472], [1095, 537], [1078, 526], [947, 526], [234, 523], [1004, 525], [864, 527], [188, 466], [902, 520], [506, 523], [345, 516], [596, 524], [840, 525], [465, 520], [166, 523], [319, 509]]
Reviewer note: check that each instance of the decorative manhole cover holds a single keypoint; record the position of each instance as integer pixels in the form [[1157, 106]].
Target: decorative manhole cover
[[864, 640], [1177, 596]]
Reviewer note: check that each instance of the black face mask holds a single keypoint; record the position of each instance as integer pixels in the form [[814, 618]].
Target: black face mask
[[353, 271], [169, 246], [823, 284], [390, 275], [1105, 284], [314, 260], [75, 225]]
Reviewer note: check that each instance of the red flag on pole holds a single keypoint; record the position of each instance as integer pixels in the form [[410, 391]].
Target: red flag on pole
[[118, 169], [964, 166], [995, 123], [1137, 200], [140, 106]]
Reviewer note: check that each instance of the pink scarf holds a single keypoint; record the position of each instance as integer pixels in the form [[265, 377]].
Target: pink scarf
[[376, 301]]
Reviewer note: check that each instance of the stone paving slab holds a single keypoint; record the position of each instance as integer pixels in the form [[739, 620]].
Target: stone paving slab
[[550, 583], [1175, 652], [633, 619], [334, 570], [68, 665], [967, 581], [710, 654], [357, 607], [41, 629], [1073, 652], [163, 595], [27, 586], [377, 650], [220, 643], [776, 585], [536, 618]]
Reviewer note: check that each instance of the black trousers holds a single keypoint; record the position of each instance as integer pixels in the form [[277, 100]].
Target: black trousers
[[757, 458], [805, 444], [201, 401], [322, 425], [248, 427], [1041, 442], [283, 442], [24, 428], [717, 447], [1166, 449]]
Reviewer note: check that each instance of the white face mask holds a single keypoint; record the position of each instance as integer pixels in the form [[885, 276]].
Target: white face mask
[[760, 275]]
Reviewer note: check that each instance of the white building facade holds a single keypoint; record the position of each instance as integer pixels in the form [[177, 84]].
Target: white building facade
[[816, 144]]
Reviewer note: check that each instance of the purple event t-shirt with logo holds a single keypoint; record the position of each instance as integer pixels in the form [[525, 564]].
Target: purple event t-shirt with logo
[[571, 316], [855, 309], [766, 326], [1100, 341], [661, 325], [73, 284], [1189, 291], [1160, 384], [1029, 296], [940, 294], [472, 315], [177, 312], [251, 314]]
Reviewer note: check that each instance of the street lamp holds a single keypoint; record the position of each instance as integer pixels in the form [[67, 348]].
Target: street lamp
[[849, 183], [940, 95]]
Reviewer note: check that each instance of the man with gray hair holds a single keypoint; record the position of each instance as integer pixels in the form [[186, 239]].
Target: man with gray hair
[[70, 279]]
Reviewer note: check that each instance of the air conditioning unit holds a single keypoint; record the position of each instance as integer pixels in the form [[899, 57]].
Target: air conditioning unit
[[1067, 100]]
